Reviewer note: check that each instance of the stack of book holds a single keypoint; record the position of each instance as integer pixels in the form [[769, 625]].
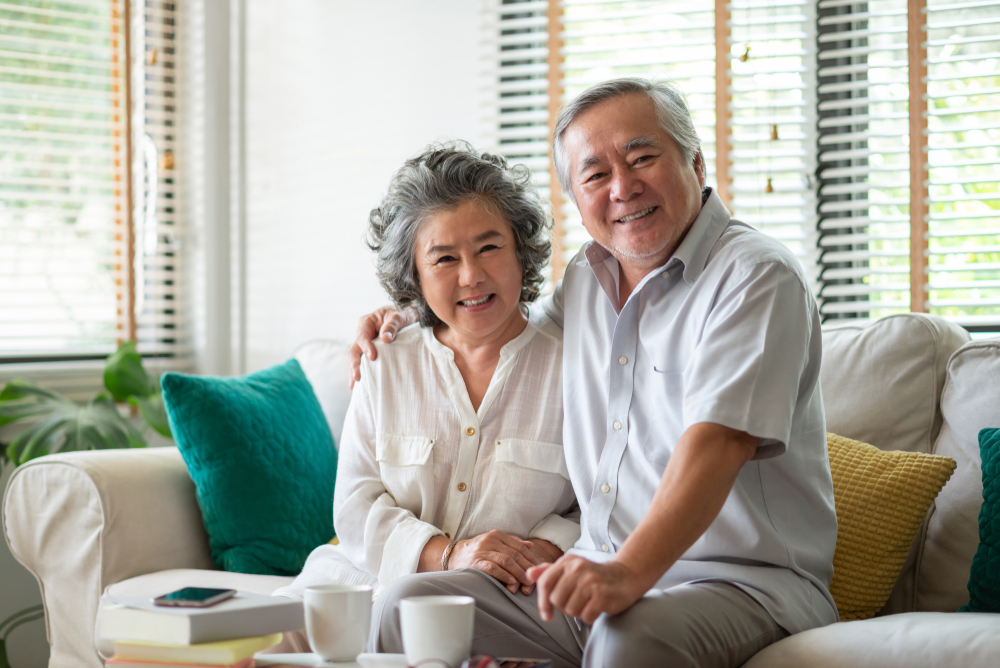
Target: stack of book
[[225, 635]]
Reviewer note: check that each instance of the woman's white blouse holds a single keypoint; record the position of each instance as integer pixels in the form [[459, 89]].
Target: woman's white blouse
[[416, 461]]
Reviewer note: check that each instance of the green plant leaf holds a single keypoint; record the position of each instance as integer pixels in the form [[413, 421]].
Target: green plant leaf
[[64, 425], [124, 375], [154, 412]]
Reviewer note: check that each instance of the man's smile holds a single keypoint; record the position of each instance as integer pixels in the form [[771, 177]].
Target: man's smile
[[637, 215]]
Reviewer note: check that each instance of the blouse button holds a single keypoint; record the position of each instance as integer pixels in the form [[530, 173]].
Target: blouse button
[[461, 487], [470, 431], [605, 488]]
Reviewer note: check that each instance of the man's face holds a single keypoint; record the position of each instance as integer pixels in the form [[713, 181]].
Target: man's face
[[636, 193]]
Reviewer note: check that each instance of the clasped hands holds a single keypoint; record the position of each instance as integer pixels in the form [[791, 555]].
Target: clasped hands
[[576, 586]]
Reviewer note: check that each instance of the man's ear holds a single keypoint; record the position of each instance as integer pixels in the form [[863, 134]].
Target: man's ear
[[699, 167]]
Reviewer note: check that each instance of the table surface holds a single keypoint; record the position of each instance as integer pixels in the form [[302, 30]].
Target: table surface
[[314, 661]]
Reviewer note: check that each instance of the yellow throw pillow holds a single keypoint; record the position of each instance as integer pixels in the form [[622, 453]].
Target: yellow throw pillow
[[881, 498]]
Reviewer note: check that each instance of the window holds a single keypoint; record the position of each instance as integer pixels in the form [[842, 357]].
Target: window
[[69, 286], [813, 135]]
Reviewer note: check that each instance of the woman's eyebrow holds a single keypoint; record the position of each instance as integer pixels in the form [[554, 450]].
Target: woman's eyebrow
[[482, 237]]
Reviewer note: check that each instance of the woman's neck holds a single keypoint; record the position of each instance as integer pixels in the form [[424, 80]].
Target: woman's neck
[[477, 357]]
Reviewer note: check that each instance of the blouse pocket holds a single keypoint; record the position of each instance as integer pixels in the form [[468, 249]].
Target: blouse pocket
[[547, 457], [406, 468], [399, 450]]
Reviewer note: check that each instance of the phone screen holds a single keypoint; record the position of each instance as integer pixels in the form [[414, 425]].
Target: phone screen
[[194, 596], [525, 663]]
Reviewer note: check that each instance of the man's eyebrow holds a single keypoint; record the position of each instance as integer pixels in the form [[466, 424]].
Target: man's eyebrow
[[631, 145], [639, 142], [482, 237]]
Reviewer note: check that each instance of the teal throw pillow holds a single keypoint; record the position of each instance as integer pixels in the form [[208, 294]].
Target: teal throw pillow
[[263, 462], [984, 578]]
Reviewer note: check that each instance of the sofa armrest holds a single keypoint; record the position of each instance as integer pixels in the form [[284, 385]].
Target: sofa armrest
[[84, 520]]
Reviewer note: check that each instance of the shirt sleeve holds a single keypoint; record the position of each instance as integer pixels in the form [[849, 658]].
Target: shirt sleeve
[[553, 304], [752, 365], [561, 530], [377, 535]]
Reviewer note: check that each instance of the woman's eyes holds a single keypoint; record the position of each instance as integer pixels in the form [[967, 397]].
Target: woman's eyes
[[488, 247], [451, 258], [444, 258]]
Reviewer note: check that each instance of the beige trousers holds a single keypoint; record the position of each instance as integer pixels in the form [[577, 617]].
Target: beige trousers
[[710, 624]]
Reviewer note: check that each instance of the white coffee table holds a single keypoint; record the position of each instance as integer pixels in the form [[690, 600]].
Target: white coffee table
[[314, 661]]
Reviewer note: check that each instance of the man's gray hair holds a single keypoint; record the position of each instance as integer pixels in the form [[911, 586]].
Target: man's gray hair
[[443, 177], [671, 111]]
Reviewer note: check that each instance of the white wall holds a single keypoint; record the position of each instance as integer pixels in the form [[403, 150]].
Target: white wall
[[339, 93]]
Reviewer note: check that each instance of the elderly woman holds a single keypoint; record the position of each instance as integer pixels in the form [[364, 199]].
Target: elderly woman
[[451, 455]]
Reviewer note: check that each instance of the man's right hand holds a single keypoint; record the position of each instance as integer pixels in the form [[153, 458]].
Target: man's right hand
[[382, 323]]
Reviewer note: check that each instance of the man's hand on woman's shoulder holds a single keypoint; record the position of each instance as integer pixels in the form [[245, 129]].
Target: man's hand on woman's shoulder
[[382, 323]]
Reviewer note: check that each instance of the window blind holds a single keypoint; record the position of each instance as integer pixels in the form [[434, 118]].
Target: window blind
[[864, 212], [62, 154], [963, 136], [772, 153], [64, 265]]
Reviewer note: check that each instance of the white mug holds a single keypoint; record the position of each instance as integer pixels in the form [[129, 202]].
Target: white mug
[[437, 627], [337, 620]]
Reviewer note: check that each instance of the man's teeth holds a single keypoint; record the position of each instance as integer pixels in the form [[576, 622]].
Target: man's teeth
[[475, 302], [629, 219]]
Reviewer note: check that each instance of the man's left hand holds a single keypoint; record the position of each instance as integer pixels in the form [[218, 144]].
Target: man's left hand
[[585, 589]]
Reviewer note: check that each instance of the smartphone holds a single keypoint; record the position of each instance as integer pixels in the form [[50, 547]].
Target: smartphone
[[194, 597], [508, 662]]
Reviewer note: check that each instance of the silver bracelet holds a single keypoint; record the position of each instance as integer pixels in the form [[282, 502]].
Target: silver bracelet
[[447, 555]]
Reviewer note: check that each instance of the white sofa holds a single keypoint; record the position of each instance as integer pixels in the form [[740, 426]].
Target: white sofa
[[127, 521]]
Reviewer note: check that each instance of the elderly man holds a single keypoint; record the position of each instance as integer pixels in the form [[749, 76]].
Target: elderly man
[[694, 428]]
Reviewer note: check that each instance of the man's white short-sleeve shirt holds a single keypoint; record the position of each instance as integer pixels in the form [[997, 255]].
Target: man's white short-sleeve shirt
[[727, 332]]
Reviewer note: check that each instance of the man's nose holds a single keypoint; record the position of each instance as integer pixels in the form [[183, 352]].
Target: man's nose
[[624, 185]]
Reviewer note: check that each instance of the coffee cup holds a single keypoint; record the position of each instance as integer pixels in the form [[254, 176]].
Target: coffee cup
[[437, 627], [337, 620]]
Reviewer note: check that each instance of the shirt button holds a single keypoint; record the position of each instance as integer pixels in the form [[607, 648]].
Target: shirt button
[[623, 360], [605, 547], [461, 487], [605, 488], [470, 431], [618, 425], [666, 274]]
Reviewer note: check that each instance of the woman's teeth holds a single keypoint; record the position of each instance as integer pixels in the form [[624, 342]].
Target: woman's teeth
[[476, 302], [634, 216]]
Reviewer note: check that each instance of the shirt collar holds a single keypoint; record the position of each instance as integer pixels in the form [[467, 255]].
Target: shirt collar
[[692, 253]]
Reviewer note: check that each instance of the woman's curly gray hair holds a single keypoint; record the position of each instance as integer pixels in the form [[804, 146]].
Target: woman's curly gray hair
[[443, 177]]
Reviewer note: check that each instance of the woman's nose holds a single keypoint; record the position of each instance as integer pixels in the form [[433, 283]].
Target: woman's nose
[[471, 273]]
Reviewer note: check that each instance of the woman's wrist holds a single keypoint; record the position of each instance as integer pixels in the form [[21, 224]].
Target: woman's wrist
[[430, 556]]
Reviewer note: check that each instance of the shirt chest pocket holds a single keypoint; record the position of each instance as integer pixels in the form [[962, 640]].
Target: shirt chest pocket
[[665, 415], [534, 455], [406, 467]]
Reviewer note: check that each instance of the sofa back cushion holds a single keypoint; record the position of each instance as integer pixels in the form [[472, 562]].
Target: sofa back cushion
[[325, 364], [970, 402], [881, 385], [882, 382]]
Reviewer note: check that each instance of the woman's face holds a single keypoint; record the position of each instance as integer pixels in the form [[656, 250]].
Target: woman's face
[[469, 272]]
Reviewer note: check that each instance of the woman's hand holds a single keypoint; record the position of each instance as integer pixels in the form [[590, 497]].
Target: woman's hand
[[382, 323], [505, 557], [544, 550]]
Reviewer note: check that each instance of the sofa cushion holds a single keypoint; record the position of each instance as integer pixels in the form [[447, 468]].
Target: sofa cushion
[[881, 500], [881, 385], [951, 535], [263, 462], [882, 381], [914, 640], [984, 579], [325, 363]]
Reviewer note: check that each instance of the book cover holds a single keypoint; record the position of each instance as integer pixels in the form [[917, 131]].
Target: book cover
[[136, 618], [128, 663], [223, 652]]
